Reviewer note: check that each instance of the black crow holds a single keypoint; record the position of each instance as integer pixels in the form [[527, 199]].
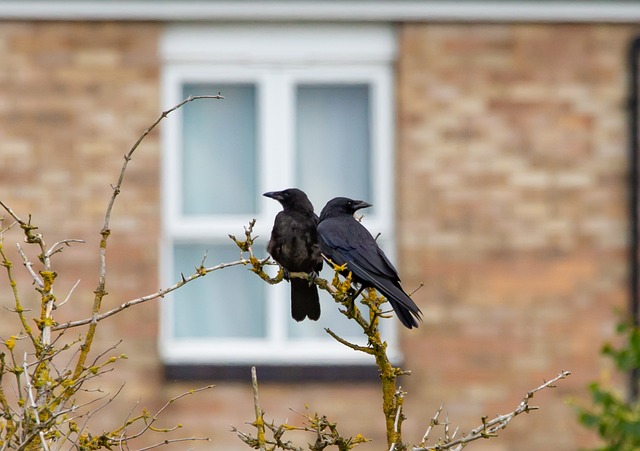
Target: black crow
[[344, 240], [294, 245]]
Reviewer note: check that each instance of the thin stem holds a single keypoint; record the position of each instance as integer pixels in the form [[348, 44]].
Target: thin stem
[[100, 291], [488, 428], [258, 411], [32, 404], [158, 294]]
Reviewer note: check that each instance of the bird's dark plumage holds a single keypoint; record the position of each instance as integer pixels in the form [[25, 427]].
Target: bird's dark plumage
[[344, 240], [294, 245]]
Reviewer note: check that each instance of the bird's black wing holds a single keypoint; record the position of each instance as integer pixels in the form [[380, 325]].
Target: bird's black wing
[[345, 240], [348, 241]]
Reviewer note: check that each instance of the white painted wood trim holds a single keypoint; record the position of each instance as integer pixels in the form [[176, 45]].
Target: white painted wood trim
[[299, 43], [275, 57]]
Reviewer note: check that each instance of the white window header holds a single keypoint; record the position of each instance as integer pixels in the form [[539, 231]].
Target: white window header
[[279, 43]]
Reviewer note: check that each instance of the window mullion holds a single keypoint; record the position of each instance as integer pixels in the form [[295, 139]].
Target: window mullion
[[171, 170], [277, 173], [276, 110], [382, 147]]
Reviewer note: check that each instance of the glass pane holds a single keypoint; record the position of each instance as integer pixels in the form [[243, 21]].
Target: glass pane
[[219, 150], [333, 142], [225, 303]]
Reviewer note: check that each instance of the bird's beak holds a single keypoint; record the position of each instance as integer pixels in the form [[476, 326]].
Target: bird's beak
[[359, 204], [273, 195]]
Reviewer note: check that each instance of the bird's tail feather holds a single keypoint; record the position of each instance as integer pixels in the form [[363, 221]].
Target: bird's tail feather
[[407, 317], [305, 301], [407, 310]]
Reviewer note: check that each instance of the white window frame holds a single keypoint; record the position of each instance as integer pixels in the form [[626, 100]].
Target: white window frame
[[276, 57]]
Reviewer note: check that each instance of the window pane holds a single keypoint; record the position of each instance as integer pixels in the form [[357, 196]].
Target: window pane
[[219, 150], [225, 303], [333, 141]]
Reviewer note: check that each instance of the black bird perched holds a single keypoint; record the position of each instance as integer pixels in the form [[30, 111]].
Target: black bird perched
[[294, 245], [344, 240]]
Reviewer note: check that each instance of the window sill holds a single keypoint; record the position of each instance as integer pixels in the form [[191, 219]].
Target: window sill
[[273, 373]]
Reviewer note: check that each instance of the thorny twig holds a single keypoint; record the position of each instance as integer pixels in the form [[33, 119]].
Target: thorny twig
[[340, 292], [100, 291], [488, 428], [75, 285], [49, 391], [27, 264], [32, 404], [326, 433], [175, 440], [127, 157], [343, 293], [150, 421], [432, 423], [259, 414], [57, 247], [200, 272], [397, 425]]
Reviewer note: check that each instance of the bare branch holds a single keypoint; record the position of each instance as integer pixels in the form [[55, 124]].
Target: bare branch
[[149, 422], [256, 404], [32, 404], [127, 157], [348, 344], [416, 290], [432, 423], [175, 440], [488, 428], [90, 414], [69, 295], [11, 213], [6, 229], [57, 247], [100, 291], [158, 294], [27, 264]]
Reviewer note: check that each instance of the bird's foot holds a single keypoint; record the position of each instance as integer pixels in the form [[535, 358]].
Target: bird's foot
[[312, 277], [285, 274], [357, 293]]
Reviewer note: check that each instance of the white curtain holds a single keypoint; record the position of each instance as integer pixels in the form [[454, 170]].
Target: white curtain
[[333, 141], [227, 303], [219, 150]]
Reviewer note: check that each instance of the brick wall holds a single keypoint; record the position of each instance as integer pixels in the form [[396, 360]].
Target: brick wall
[[511, 208], [74, 97]]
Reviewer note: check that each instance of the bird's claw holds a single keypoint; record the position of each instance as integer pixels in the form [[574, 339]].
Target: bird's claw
[[285, 273], [354, 294], [312, 277]]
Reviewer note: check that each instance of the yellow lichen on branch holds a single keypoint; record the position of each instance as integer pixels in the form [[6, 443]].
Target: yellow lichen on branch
[[342, 291]]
